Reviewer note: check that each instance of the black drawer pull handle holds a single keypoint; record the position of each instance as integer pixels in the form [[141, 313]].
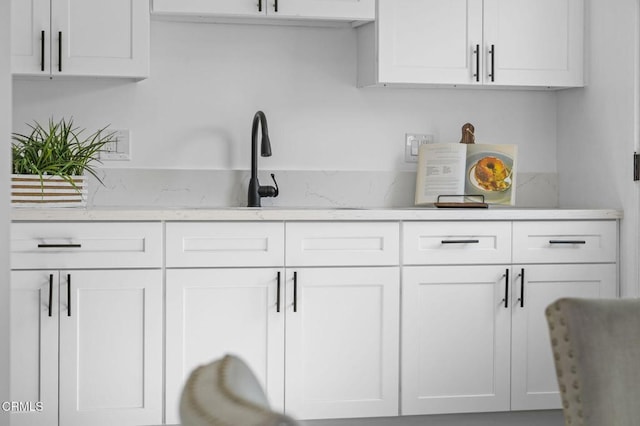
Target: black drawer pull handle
[[59, 245], [459, 241], [567, 242]]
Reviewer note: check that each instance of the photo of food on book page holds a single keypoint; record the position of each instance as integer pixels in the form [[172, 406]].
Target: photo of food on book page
[[450, 169]]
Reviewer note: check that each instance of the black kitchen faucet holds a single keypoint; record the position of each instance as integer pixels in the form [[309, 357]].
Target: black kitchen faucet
[[256, 192]]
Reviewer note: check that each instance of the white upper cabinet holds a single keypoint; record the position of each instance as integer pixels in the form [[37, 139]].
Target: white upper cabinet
[[340, 10], [80, 38], [474, 42]]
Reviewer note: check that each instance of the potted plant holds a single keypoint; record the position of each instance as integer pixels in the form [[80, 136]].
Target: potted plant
[[50, 163]]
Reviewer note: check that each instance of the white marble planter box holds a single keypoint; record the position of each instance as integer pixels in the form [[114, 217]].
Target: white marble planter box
[[52, 191]]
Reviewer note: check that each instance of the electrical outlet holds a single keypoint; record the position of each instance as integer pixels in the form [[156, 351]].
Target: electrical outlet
[[412, 145], [119, 149]]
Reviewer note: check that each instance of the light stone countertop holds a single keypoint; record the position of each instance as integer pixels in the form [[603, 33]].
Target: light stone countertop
[[305, 214]]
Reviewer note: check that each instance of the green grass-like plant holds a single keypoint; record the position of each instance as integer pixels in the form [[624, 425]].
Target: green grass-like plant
[[58, 150]]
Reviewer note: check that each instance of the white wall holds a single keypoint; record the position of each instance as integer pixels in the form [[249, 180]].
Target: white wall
[[5, 128], [207, 81], [597, 127]]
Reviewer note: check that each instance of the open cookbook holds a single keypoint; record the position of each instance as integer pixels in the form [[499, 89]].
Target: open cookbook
[[456, 169]]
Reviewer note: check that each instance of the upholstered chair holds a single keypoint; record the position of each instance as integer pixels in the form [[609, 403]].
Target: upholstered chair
[[227, 393], [596, 349]]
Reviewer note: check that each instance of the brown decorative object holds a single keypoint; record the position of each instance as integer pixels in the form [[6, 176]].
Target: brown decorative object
[[468, 135]]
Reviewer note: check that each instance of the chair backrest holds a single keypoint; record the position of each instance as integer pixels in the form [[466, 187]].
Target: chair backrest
[[596, 350], [226, 392]]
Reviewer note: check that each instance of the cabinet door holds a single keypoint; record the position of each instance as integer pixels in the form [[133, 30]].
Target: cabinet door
[[342, 342], [429, 41], [212, 312], [534, 384], [111, 347], [324, 9], [212, 7], [34, 346], [536, 42], [30, 40], [455, 339], [100, 38]]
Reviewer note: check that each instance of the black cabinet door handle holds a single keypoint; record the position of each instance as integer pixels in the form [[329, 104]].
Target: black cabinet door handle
[[295, 292], [275, 6], [521, 298], [259, 5], [506, 288], [59, 51], [492, 52], [42, 41], [50, 295], [278, 295], [477, 53], [68, 295]]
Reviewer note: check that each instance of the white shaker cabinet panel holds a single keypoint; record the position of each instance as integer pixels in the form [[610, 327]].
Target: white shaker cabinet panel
[[534, 384], [342, 243], [86, 245], [455, 339], [224, 244], [81, 38], [350, 10], [534, 42], [111, 347], [430, 41], [34, 345], [212, 312], [473, 242], [339, 10], [565, 241], [342, 342], [501, 43]]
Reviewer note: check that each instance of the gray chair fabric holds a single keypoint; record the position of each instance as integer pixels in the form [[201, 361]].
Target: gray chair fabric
[[225, 392], [596, 349]]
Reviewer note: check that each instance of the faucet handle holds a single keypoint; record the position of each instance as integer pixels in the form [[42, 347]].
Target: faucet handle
[[269, 191]]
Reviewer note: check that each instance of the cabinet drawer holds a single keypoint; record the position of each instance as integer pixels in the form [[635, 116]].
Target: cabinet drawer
[[86, 245], [342, 243], [220, 244], [439, 243], [565, 242]]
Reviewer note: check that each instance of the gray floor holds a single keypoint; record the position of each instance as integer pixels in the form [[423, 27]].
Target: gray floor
[[521, 418]]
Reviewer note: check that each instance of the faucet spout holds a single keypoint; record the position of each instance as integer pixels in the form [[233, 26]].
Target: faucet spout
[[255, 191]]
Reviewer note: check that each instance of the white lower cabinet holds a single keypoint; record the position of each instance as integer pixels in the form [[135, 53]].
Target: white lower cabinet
[[317, 320], [533, 377], [86, 323], [342, 342], [455, 339], [212, 312], [87, 344], [474, 335]]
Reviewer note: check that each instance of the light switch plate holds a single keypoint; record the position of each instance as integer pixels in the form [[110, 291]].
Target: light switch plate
[[412, 144], [119, 149]]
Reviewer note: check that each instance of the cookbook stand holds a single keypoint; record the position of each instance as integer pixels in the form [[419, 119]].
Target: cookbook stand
[[464, 204]]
